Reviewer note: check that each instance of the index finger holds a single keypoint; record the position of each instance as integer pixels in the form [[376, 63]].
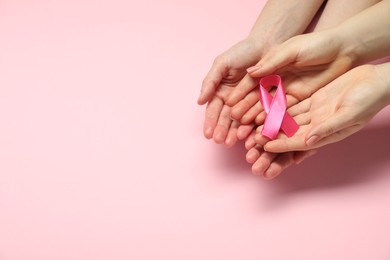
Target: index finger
[[246, 85]]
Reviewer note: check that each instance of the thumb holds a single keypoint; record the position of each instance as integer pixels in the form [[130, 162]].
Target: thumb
[[326, 128], [212, 80], [274, 60]]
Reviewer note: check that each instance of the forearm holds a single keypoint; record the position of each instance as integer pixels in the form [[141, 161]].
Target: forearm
[[336, 12], [282, 19], [366, 36]]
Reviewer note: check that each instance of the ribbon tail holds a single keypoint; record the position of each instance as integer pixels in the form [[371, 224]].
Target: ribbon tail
[[289, 126]]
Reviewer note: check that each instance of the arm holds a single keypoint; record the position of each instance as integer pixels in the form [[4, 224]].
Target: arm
[[278, 21], [366, 36], [320, 57], [281, 19], [361, 38]]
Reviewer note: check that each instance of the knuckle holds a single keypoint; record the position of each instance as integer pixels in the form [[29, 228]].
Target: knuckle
[[328, 130], [219, 60]]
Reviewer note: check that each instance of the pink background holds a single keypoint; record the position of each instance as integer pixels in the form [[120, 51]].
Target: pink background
[[102, 154]]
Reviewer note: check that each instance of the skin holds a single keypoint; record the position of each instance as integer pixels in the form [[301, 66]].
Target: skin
[[308, 62], [340, 49], [278, 21], [338, 110], [229, 68]]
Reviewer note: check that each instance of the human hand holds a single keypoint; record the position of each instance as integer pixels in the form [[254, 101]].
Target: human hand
[[226, 72], [278, 21], [269, 164], [305, 62], [338, 110]]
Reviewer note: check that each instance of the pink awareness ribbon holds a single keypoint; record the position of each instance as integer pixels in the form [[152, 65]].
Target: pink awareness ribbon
[[275, 107]]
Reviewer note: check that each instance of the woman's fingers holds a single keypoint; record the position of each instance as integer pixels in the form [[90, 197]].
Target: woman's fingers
[[246, 104], [300, 108], [253, 154], [250, 141], [246, 85], [251, 114], [213, 111], [277, 58], [244, 131], [280, 163], [263, 162], [212, 80], [231, 138], [327, 127], [223, 125]]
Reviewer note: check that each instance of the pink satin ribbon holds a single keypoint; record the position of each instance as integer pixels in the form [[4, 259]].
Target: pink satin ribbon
[[275, 107]]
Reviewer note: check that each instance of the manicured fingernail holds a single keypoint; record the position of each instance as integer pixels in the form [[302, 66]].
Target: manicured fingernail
[[312, 140], [252, 69]]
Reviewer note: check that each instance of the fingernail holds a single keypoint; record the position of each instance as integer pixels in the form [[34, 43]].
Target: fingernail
[[249, 144], [229, 142], [250, 156], [312, 140], [269, 174], [252, 69], [209, 132], [244, 119]]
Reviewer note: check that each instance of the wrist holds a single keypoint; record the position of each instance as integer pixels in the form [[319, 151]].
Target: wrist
[[349, 46], [383, 75], [264, 41], [257, 43]]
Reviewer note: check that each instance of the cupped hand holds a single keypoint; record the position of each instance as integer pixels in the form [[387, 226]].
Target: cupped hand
[[269, 164], [226, 72], [338, 110]]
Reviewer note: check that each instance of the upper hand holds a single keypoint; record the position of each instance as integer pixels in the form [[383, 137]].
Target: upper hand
[[338, 110], [305, 63]]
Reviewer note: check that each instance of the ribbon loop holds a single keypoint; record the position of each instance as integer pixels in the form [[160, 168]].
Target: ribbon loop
[[275, 107]]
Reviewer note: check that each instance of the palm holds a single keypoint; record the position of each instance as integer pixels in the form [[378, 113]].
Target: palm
[[227, 71], [218, 123], [336, 111]]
